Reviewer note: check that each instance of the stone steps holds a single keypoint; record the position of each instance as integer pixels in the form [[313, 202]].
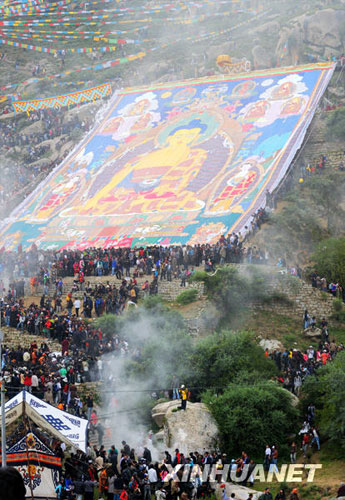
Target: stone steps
[[306, 297], [169, 290], [15, 338]]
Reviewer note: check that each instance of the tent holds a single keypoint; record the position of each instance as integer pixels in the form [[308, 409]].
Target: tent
[[64, 426], [37, 463]]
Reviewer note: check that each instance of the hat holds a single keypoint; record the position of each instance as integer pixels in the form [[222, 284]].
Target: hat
[[295, 490], [223, 485]]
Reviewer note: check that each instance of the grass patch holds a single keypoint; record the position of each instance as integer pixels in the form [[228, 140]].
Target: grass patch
[[271, 325]]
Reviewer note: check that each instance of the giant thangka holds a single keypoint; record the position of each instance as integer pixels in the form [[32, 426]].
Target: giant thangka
[[177, 163]]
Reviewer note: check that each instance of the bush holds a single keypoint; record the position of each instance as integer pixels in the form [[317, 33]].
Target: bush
[[327, 392], [106, 323], [222, 358], [153, 301], [337, 305], [76, 134], [187, 296], [277, 297], [249, 417], [232, 291], [199, 276], [329, 259]]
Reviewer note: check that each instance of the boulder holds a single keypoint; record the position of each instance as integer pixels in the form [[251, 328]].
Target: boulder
[[194, 429], [324, 28], [312, 332], [294, 398], [270, 344], [159, 411], [320, 34]]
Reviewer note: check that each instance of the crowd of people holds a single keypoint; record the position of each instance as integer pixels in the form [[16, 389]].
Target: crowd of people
[[334, 288], [126, 262], [20, 135], [295, 365], [55, 376]]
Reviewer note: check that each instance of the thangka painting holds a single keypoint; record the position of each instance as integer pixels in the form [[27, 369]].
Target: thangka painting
[[37, 464], [178, 163]]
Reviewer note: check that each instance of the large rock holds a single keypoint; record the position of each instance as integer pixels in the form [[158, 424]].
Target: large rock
[[192, 430], [159, 411], [312, 332], [270, 344], [320, 33], [325, 28]]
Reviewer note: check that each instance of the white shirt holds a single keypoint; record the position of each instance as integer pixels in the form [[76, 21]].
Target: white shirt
[[152, 476], [268, 452], [77, 303], [34, 381]]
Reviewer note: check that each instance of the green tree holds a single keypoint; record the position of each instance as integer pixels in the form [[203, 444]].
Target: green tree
[[249, 417], [232, 291], [329, 258], [327, 392], [107, 324], [222, 358]]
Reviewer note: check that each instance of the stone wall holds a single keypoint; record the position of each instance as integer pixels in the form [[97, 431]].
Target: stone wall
[[300, 293], [15, 338], [169, 290], [302, 296]]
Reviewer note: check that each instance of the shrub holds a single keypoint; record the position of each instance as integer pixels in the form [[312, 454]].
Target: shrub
[[106, 324], [221, 358], [187, 296], [76, 134], [329, 259], [277, 297], [337, 305], [339, 313], [327, 392], [248, 417], [199, 276]]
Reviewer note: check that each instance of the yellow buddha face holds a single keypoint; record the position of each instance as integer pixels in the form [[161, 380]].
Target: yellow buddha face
[[284, 90], [257, 110], [293, 106], [140, 107], [183, 137]]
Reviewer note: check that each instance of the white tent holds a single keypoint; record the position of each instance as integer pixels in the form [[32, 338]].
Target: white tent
[[63, 425]]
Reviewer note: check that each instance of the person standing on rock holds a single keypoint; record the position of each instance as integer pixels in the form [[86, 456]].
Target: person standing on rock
[[184, 397]]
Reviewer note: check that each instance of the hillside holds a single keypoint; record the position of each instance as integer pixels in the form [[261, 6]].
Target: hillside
[[175, 139], [267, 34]]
